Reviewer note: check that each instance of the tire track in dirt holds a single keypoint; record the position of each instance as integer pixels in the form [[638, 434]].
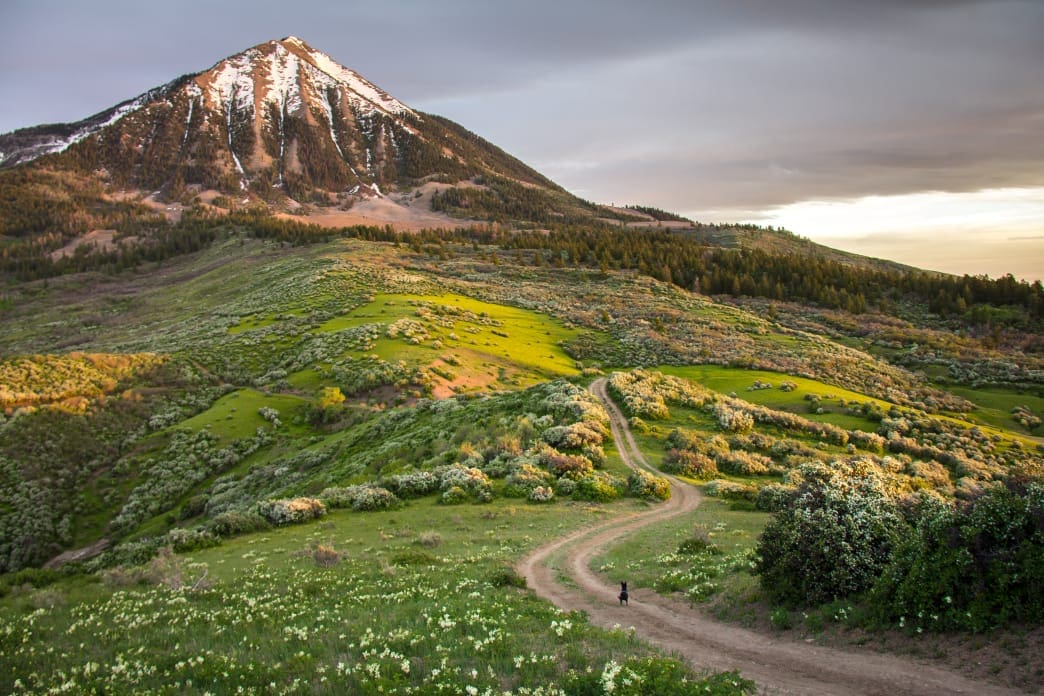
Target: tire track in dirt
[[778, 665]]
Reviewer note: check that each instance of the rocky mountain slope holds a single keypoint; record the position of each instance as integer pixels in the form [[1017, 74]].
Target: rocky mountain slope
[[281, 117]]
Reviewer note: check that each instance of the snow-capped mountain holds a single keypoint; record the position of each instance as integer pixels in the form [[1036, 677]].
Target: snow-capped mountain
[[280, 116]]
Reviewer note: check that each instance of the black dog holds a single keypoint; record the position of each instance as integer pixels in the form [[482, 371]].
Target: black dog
[[623, 593]]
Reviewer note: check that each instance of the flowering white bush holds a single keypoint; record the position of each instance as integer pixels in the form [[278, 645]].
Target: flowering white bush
[[833, 538]]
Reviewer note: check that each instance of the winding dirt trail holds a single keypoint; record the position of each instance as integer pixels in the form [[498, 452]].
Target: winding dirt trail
[[778, 665]]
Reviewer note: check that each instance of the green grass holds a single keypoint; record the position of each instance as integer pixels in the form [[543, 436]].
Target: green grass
[[727, 380], [994, 406], [532, 339], [415, 602], [465, 344], [235, 415]]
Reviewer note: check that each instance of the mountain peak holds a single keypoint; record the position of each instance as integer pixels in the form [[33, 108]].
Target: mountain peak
[[279, 118], [276, 71]]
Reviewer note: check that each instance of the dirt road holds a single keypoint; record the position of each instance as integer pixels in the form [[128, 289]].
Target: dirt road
[[778, 665]]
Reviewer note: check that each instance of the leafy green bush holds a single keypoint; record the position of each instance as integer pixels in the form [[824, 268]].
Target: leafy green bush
[[730, 490], [454, 495], [234, 522], [969, 566], [774, 497], [599, 487], [507, 577], [834, 537]]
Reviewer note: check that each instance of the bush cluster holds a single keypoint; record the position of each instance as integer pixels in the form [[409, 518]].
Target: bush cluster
[[969, 565]]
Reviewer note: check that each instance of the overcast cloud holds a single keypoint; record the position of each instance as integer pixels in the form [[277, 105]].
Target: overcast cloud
[[720, 109]]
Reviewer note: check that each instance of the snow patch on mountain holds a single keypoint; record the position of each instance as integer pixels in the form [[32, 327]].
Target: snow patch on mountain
[[284, 69], [233, 86], [353, 80]]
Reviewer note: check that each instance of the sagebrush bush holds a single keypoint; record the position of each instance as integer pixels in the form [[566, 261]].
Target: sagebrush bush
[[730, 490], [642, 484], [541, 494], [280, 512], [235, 522], [689, 463], [359, 498], [524, 479]]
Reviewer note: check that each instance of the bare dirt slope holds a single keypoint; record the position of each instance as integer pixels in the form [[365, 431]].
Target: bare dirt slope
[[778, 665]]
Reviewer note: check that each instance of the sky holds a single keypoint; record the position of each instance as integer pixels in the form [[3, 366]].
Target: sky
[[905, 129]]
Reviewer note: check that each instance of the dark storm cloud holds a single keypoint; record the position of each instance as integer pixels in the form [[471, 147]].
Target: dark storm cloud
[[687, 105]]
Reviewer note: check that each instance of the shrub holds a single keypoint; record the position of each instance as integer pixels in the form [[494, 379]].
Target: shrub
[[774, 497], [740, 463], [833, 538], [541, 494], [572, 466], [971, 566], [325, 555], [454, 495], [642, 484], [733, 420], [469, 481], [780, 619], [689, 463], [599, 487], [429, 539], [280, 512], [507, 577], [418, 557], [172, 571], [730, 490], [524, 479], [234, 522], [699, 542], [414, 484], [565, 487], [359, 498], [186, 540]]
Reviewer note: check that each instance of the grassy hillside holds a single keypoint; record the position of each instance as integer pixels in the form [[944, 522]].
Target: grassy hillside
[[291, 359], [429, 401]]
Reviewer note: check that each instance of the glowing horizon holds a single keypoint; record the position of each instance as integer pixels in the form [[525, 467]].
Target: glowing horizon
[[992, 231]]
